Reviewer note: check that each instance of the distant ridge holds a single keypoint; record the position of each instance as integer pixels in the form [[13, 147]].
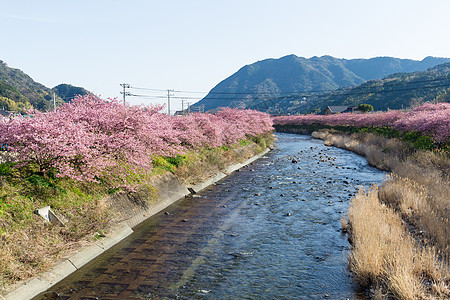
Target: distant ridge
[[18, 91], [275, 78], [67, 91], [396, 91]]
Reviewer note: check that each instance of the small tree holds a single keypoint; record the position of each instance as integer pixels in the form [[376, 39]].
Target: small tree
[[365, 107]]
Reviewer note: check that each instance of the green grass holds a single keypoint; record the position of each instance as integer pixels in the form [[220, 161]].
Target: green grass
[[6, 169], [23, 190], [260, 141], [244, 142], [175, 160], [167, 163]]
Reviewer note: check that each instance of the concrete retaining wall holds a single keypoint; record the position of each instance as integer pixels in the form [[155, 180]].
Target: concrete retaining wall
[[132, 210]]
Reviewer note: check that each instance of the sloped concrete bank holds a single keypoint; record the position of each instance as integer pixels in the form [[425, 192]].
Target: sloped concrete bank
[[131, 209]]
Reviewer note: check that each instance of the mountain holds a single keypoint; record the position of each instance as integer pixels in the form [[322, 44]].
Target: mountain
[[11, 99], [270, 80], [21, 89], [379, 67], [67, 91], [396, 91], [18, 91]]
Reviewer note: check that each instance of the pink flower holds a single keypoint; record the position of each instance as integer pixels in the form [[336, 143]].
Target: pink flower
[[428, 119], [90, 136]]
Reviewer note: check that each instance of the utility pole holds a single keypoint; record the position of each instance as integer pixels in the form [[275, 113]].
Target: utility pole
[[182, 107], [189, 107], [125, 86], [168, 101], [54, 102]]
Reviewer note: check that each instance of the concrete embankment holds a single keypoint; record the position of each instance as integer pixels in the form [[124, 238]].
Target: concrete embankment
[[131, 209]]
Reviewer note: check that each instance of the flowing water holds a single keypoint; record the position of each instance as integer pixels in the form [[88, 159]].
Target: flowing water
[[269, 231]]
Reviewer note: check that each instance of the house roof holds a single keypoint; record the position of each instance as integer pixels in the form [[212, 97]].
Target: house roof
[[338, 109]]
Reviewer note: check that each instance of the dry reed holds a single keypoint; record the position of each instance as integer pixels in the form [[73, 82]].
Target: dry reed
[[400, 233], [386, 255]]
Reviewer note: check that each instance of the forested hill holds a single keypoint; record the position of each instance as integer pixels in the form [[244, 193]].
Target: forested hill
[[19, 91], [273, 79], [67, 91], [396, 91]]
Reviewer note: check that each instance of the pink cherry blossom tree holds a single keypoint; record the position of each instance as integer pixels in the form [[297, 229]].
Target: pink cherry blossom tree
[[89, 136], [428, 119]]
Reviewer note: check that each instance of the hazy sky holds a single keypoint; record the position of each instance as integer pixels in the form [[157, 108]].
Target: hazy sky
[[192, 45]]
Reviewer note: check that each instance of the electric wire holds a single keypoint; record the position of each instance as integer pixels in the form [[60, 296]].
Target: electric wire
[[446, 77], [299, 95]]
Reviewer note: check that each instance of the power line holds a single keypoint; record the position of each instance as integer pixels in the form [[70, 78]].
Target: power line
[[398, 90], [148, 96], [147, 89], [304, 94], [267, 97], [446, 77]]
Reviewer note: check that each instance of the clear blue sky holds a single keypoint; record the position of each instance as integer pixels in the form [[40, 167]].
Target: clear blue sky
[[193, 45]]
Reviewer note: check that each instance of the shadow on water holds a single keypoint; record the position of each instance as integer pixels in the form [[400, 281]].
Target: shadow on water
[[269, 231]]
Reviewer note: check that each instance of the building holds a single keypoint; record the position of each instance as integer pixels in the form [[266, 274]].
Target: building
[[330, 110]]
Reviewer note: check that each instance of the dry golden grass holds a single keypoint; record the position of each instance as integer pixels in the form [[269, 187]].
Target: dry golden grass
[[385, 254], [31, 250], [424, 207], [372, 146], [401, 232], [344, 224], [366, 259]]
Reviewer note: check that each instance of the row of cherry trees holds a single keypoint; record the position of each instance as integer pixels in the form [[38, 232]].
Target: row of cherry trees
[[428, 119], [91, 136]]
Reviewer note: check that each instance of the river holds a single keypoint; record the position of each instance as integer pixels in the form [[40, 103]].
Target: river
[[269, 231]]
